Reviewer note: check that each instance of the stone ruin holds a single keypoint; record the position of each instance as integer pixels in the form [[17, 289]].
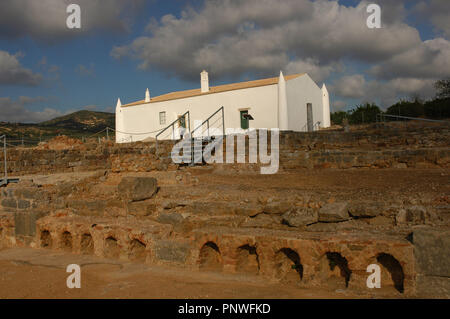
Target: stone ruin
[[129, 202]]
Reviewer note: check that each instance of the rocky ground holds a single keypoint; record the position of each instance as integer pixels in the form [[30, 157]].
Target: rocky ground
[[363, 207], [133, 219]]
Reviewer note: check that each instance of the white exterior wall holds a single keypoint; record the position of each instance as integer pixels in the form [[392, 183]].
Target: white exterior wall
[[283, 114], [326, 107], [300, 91], [261, 102]]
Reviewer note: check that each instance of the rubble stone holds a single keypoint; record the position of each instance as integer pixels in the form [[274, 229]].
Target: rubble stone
[[301, 217], [137, 188], [334, 212]]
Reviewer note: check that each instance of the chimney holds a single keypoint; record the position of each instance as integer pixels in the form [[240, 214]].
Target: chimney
[[204, 81], [147, 95], [283, 118]]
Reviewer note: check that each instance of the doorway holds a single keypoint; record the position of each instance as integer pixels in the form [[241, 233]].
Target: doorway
[[244, 120]]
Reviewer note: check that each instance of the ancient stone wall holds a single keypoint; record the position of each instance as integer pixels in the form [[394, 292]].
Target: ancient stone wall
[[290, 239], [106, 155], [428, 147]]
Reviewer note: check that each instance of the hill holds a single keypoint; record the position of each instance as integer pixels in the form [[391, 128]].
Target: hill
[[82, 120], [78, 124]]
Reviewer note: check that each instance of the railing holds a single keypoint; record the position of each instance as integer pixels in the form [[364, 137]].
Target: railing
[[172, 125], [316, 125], [5, 178], [208, 125], [305, 127], [207, 122], [382, 117]]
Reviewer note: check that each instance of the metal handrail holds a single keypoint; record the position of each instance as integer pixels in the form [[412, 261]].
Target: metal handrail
[[317, 124], [382, 116], [200, 126], [207, 121], [173, 127], [305, 129], [5, 180]]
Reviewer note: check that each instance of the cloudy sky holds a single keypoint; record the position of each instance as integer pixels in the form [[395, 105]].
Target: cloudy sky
[[125, 46]]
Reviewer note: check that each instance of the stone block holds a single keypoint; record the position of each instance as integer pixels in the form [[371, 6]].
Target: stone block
[[432, 251], [365, 209], [415, 215], [334, 212], [277, 208], [262, 221], [141, 208], [170, 218], [171, 251], [9, 203], [301, 217], [137, 188], [23, 204], [27, 193], [25, 222]]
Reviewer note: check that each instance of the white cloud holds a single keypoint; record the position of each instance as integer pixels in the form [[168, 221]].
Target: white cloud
[[90, 107], [318, 72], [231, 38], [13, 73], [85, 70], [385, 93], [338, 106], [437, 11], [45, 20], [430, 60], [18, 111], [350, 86]]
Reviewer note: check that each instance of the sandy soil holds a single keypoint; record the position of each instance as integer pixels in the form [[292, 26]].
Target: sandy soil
[[398, 180], [31, 273]]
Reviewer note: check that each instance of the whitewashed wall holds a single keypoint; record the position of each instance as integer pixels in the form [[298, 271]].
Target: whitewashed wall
[[326, 107], [261, 101], [300, 91]]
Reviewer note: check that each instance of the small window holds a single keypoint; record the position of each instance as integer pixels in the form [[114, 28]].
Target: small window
[[162, 118]]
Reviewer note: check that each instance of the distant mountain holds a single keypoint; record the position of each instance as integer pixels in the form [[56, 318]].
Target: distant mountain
[[78, 124], [82, 120]]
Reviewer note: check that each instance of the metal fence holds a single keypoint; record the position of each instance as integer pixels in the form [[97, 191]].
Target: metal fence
[[26, 141]]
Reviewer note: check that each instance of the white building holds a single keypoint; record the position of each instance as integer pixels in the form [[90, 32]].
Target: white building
[[279, 102]]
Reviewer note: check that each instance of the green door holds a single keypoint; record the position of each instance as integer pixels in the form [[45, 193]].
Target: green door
[[244, 121]]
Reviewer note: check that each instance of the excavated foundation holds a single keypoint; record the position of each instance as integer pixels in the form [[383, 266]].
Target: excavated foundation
[[307, 260], [307, 226]]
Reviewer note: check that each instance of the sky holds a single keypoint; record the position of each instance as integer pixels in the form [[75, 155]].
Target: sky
[[126, 46]]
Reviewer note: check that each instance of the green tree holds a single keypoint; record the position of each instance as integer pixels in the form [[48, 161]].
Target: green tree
[[407, 108], [337, 117], [443, 88], [364, 113], [437, 108]]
